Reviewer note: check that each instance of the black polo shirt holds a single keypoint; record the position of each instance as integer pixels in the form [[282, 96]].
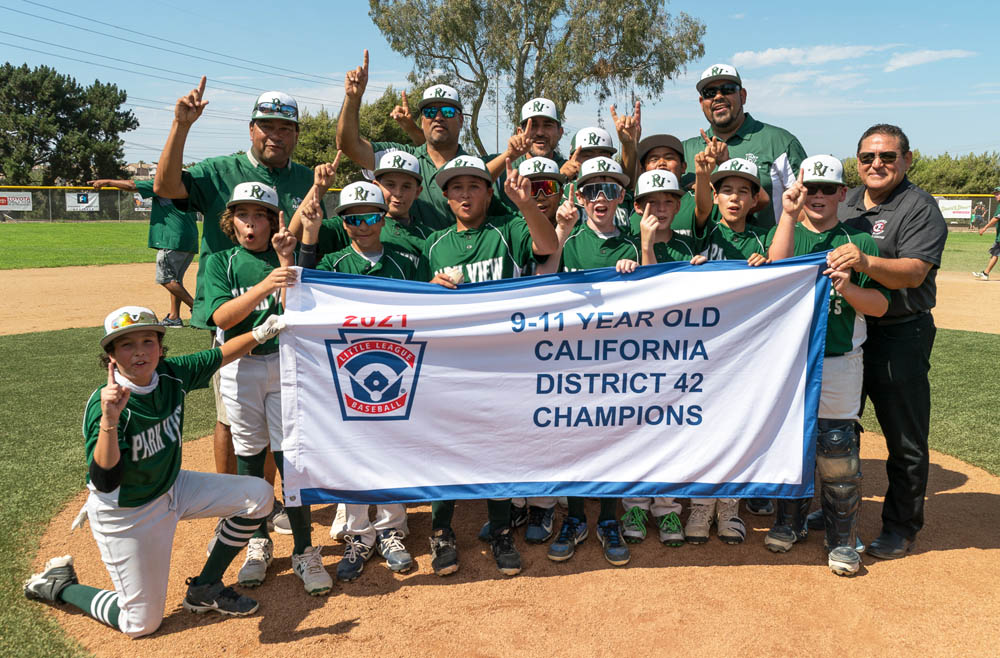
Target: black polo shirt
[[908, 224]]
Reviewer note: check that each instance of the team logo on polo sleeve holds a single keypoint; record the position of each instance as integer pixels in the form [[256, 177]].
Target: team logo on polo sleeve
[[375, 372]]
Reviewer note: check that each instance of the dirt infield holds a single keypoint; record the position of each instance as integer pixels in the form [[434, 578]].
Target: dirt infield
[[727, 600]]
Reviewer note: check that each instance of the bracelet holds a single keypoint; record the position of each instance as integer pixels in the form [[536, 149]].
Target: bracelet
[[108, 429]]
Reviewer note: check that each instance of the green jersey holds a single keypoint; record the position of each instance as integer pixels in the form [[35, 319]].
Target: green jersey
[[776, 152], [498, 184], [684, 220], [169, 226], [719, 242], [499, 249], [210, 184], [845, 328], [393, 264], [585, 249], [997, 214], [229, 274], [407, 238], [151, 426]]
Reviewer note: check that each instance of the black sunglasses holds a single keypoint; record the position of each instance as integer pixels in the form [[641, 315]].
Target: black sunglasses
[[709, 93], [829, 189], [887, 157]]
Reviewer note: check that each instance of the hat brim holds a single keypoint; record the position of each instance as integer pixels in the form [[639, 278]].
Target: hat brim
[[707, 81], [546, 175], [117, 333], [656, 141], [444, 101], [394, 170], [824, 181], [524, 119], [602, 150], [677, 193], [621, 179], [442, 177], [256, 202], [260, 115], [719, 175]]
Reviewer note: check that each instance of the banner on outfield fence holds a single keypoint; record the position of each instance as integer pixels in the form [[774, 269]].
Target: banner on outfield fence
[[83, 201], [676, 380], [15, 201], [141, 205], [955, 208]]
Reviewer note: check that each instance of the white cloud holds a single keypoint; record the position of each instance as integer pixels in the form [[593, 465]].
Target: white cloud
[[918, 57], [749, 59], [737, 17]]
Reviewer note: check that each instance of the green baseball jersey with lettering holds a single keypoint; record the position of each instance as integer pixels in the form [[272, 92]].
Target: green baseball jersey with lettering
[[231, 273], [409, 238], [498, 184], [679, 248], [684, 220], [169, 226], [776, 152], [394, 263], [584, 249], [210, 184], [719, 242], [151, 426], [499, 249], [845, 328]]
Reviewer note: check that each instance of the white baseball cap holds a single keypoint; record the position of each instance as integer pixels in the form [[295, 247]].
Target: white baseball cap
[[440, 94], [463, 165], [718, 72], [736, 167], [601, 167], [254, 192], [361, 194], [399, 161], [658, 180], [275, 105], [539, 107], [593, 138], [540, 168], [822, 169], [128, 319]]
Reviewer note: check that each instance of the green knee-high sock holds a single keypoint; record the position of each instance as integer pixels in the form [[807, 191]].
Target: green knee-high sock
[[254, 465], [609, 510], [299, 518], [498, 512], [441, 513], [101, 604], [576, 508], [234, 534]]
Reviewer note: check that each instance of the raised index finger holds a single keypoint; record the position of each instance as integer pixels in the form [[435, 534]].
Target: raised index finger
[[364, 62], [576, 154], [704, 136], [201, 87], [111, 374]]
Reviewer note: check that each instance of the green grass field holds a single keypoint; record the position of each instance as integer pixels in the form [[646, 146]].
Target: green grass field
[[43, 466], [967, 252]]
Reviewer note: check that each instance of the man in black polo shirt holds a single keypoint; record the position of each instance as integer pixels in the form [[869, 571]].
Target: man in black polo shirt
[[910, 233]]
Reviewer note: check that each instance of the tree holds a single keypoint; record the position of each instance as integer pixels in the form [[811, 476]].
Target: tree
[[47, 119], [564, 50]]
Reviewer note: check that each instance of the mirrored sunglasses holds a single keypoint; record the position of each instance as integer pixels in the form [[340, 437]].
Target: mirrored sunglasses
[[591, 191], [709, 93], [447, 111], [887, 157], [288, 111], [127, 319], [545, 187], [369, 218]]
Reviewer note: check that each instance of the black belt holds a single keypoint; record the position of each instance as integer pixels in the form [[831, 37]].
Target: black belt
[[901, 319]]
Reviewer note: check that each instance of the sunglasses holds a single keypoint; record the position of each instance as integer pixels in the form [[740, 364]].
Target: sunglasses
[[708, 93], [370, 218], [545, 187], [887, 157], [127, 319], [447, 111], [289, 111], [591, 191], [829, 189]]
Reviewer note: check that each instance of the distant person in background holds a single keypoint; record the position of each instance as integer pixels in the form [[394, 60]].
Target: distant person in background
[[978, 215], [995, 249], [173, 232]]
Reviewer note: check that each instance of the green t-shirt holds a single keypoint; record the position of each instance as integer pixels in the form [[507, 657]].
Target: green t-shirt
[[210, 184], [151, 426], [394, 263], [997, 214], [499, 249], [584, 249], [408, 238], [845, 328], [719, 242], [498, 184], [683, 222], [776, 152], [229, 274], [169, 226]]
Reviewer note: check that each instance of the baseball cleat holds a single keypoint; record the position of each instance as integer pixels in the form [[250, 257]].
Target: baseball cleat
[[844, 561], [309, 567], [572, 532], [699, 522], [390, 546], [260, 553], [540, 525], [356, 553], [505, 553], [216, 597], [615, 550], [444, 552], [670, 529], [47, 585], [729, 525], [634, 525]]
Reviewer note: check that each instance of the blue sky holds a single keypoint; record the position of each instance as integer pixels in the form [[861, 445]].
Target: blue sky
[[823, 74]]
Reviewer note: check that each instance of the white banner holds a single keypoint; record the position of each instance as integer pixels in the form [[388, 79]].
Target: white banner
[[955, 208], [83, 201], [15, 201], [675, 380], [141, 205]]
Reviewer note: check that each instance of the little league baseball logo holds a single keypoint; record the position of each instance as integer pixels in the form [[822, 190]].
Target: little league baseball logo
[[375, 372]]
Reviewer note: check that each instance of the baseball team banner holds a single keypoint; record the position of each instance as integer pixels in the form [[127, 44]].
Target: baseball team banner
[[83, 202], [15, 200], [675, 380]]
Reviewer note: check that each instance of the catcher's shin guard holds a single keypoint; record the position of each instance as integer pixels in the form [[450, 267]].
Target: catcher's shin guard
[[839, 464]]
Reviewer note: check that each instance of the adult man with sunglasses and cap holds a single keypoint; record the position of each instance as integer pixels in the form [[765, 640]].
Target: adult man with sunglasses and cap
[[207, 186], [537, 136], [910, 232], [776, 152]]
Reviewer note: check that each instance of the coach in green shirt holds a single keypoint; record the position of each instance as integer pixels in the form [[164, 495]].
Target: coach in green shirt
[[776, 152]]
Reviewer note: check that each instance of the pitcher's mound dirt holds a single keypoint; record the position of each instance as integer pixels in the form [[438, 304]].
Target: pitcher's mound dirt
[[712, 599]]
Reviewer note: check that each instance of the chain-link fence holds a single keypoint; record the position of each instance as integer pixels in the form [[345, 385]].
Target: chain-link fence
[[85, 204], [970, 211]]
